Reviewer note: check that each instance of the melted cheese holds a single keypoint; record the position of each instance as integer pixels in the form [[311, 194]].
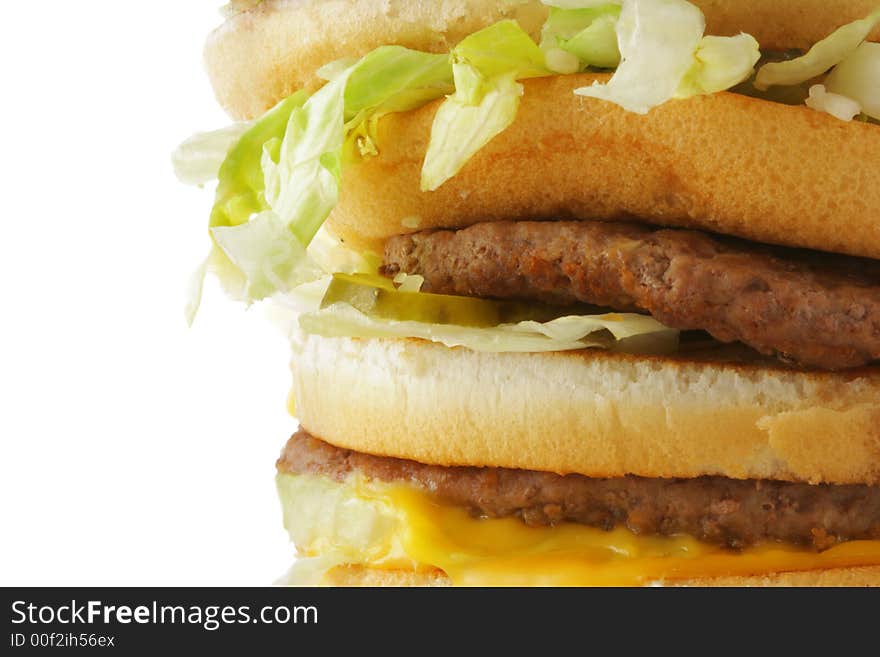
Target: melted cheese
[[506, 552], [398, 526]]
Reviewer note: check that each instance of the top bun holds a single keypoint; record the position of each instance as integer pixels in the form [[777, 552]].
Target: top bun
[[262, 55]]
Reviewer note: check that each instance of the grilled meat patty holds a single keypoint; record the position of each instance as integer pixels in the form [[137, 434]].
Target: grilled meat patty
[[816, 309], [731, 512]]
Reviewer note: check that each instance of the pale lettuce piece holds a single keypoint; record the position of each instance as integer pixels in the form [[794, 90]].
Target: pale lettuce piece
[[839, 106], [657, 40], [194, 292], [825, 54], [858, 77], [596, 45], [267, 253], [332, 70], [576, 327], [486, 67], [574, 39], [666, 56], [461, 129], [721, 63], [323, 516], [333, 523], [198, 160], [563, 334]]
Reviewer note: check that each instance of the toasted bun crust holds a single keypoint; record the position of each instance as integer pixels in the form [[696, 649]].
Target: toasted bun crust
[[591, 412], [725, 163], [869, 576], [263, 55]]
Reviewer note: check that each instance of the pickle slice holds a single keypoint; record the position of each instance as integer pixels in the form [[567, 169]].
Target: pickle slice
[[377, 297]]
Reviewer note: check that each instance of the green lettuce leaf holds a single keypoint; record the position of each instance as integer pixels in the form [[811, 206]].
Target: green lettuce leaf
[[300, 179], [665, 56], [239, 196], [302, 173], [339, 522], [657, 40], [575, 39], [501, 49], [280, 182], [486, 67], [858, 77], [395, 79], [198, 160], [266, 253], [828, 52], [721, 63], [461, 129], [240, 179]]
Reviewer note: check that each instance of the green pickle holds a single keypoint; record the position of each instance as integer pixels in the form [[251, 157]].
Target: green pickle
[[376, 296]]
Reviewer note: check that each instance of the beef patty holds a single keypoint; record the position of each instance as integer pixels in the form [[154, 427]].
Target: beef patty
[[819, 310], [730, 512]]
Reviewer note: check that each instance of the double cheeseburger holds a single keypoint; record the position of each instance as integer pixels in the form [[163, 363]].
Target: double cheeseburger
[[579, 293]]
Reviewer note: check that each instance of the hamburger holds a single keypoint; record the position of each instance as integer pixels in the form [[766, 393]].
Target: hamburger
[[579, 293]]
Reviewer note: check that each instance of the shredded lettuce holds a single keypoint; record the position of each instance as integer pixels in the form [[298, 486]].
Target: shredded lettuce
[[303, 171], [657, 40], [611, 331], [266, 253], [501, 49], [461, 129], [665, 56], [575, 39], [486, 66], [300, 179], [394, 79], [332, 523], [858, 77], [194, 291], [279, 183], [239, 196], [837, 105], [721, 63], [828, 52], [240, 182], [315, 308], [198, 160]]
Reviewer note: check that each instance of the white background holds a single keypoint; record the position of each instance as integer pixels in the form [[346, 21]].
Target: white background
[[135, 451]]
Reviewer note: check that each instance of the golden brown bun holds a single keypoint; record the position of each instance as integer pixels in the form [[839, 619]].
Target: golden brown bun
[[263, 55], [725, 163], [592, 412], [868, 576]]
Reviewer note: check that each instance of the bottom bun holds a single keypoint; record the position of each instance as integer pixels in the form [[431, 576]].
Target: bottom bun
[[360, 576]]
